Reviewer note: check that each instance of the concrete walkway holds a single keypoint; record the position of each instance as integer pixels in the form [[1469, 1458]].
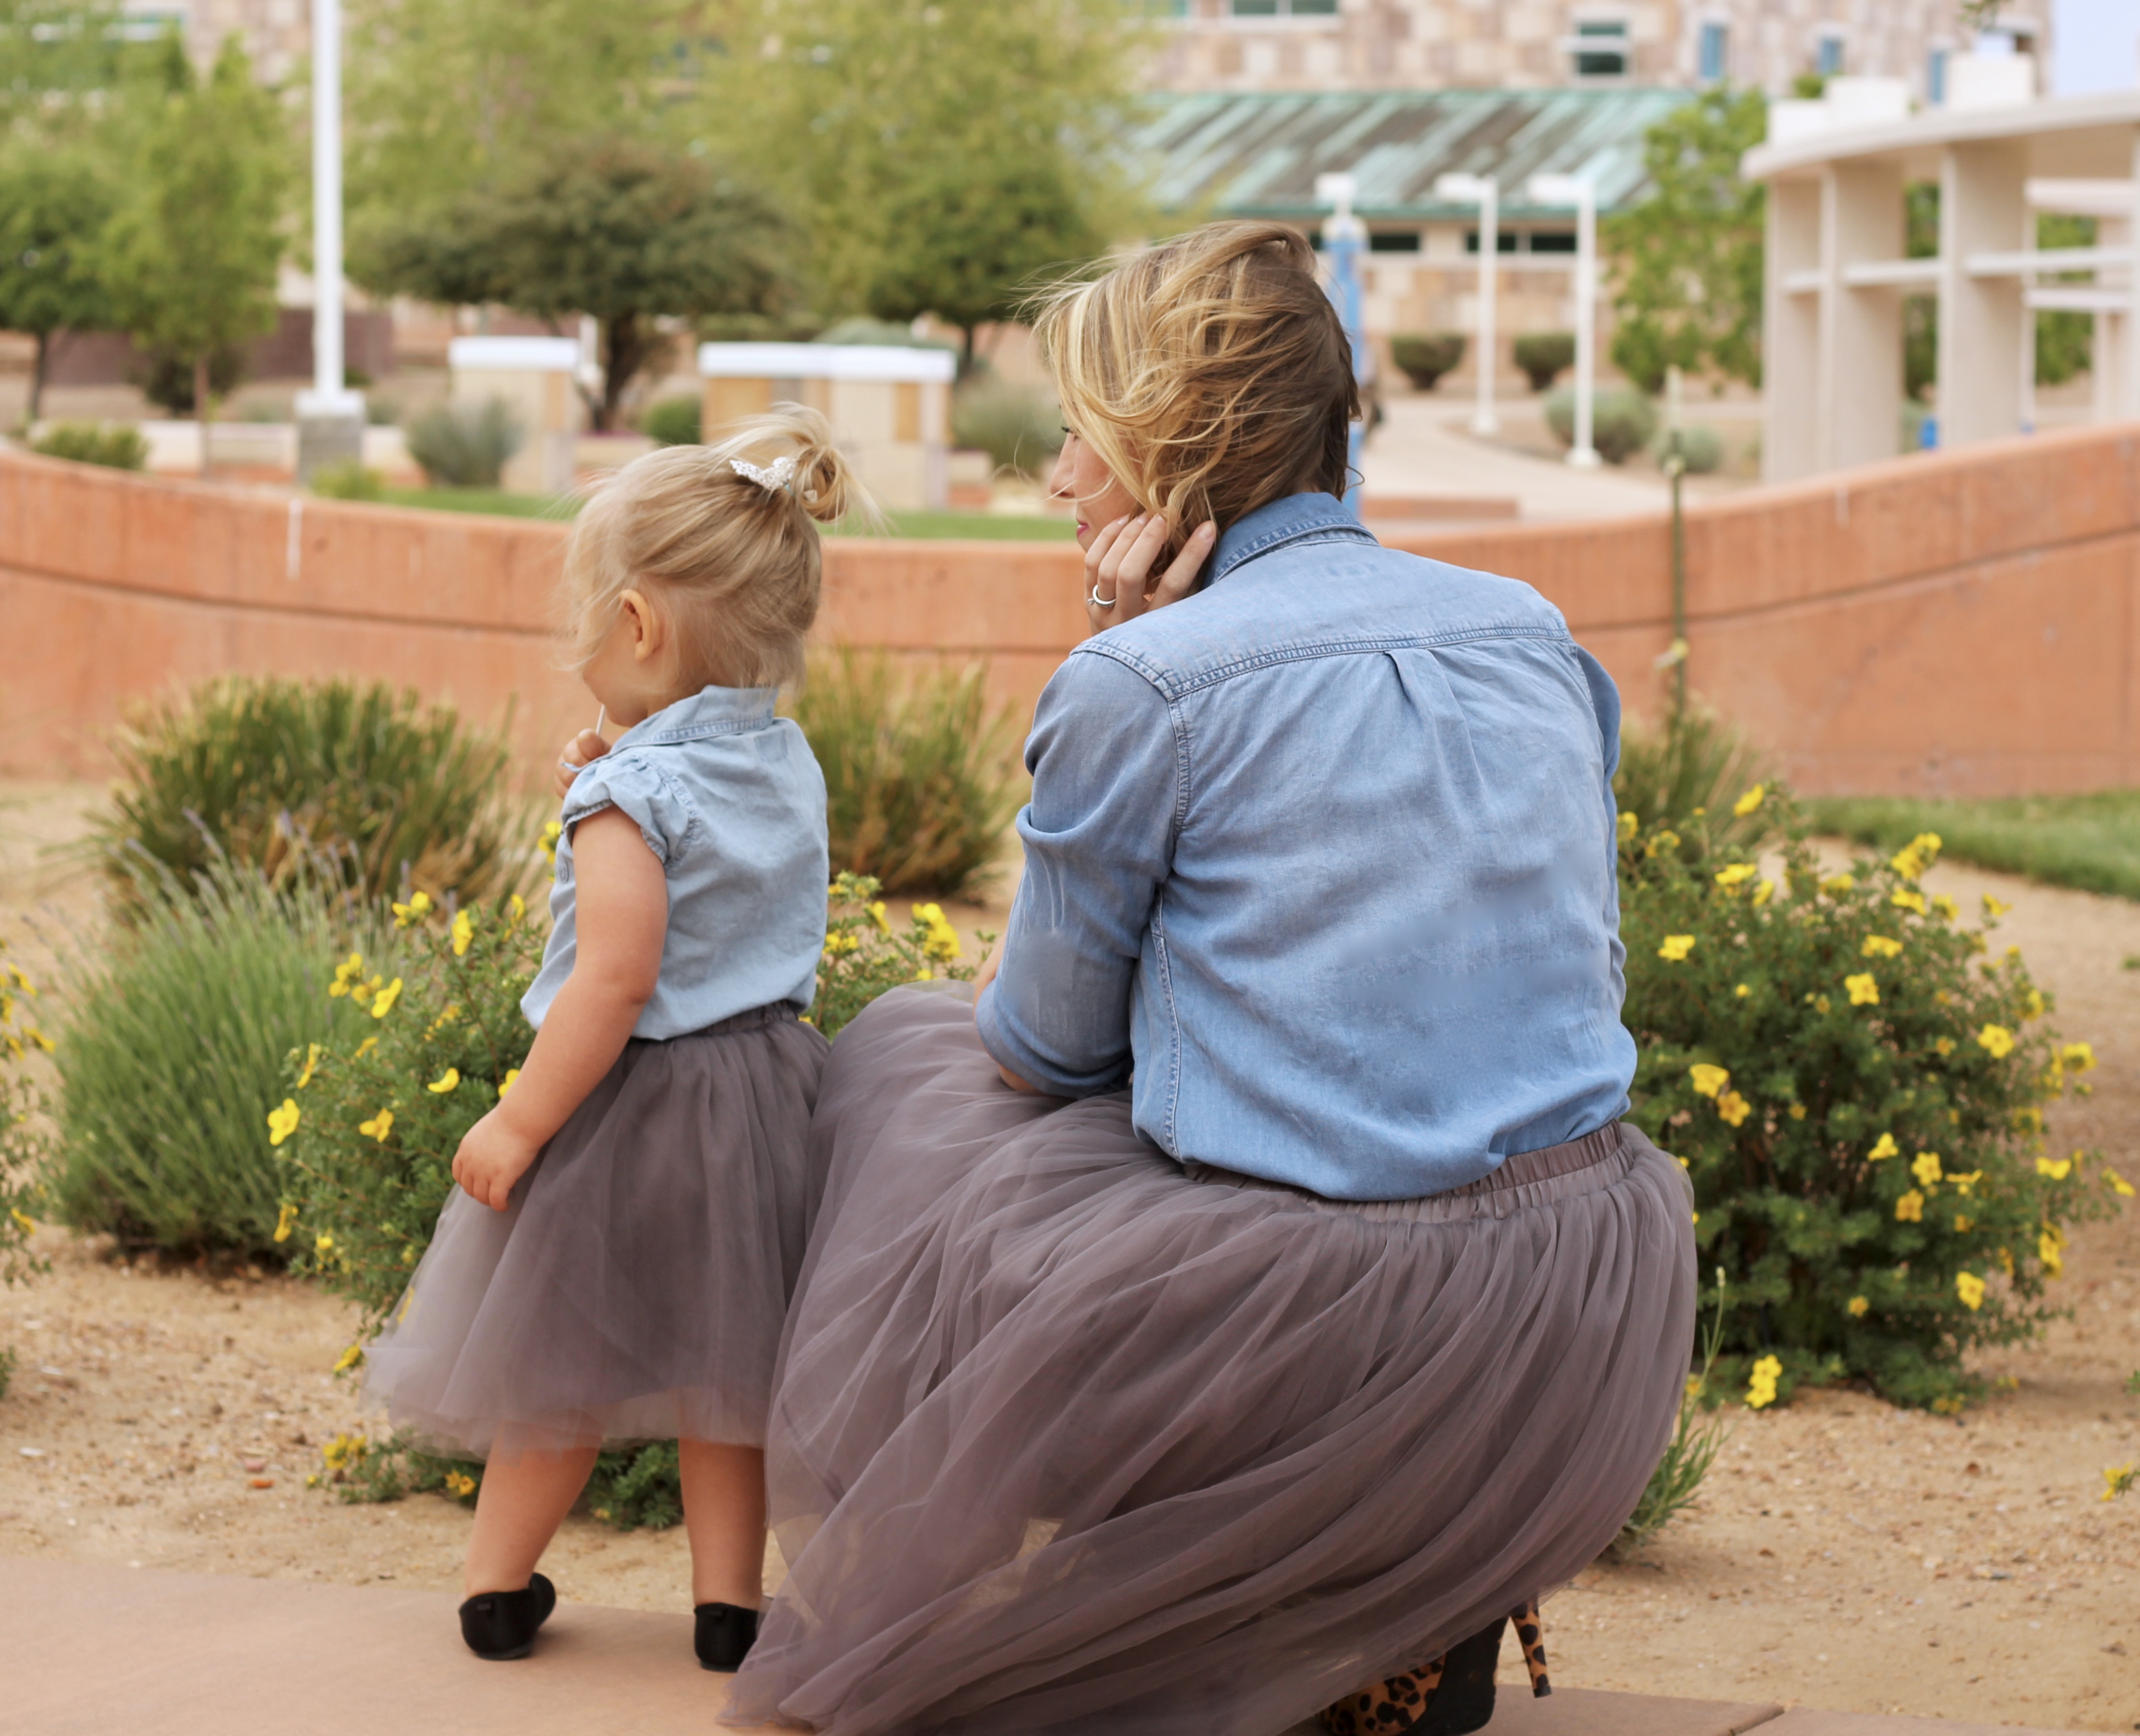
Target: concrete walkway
[[1423, 448], [92, 1650]]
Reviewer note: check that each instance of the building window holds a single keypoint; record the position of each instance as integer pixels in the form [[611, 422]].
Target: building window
[[1599, 48], [1393, 241], [1714, 57], [1936, 77], [1552, 241], [1504, 241], [1827, 56]]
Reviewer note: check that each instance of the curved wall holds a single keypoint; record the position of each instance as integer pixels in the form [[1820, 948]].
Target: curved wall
[[1961, 623]]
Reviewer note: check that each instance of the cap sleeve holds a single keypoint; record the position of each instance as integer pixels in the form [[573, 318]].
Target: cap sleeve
[[663, 815]]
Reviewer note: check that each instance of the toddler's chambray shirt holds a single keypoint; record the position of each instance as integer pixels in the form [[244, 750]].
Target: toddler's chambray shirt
[[730, 800], [1326, 850]]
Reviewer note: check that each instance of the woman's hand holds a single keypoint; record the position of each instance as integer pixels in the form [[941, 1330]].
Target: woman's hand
[[1118, 582], [491, 1157], [572, 759]]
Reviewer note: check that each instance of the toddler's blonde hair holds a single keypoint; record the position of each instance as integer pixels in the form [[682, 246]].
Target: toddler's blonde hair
[[735, 566]]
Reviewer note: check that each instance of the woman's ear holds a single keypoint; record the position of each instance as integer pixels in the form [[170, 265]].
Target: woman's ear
[[649, 632]]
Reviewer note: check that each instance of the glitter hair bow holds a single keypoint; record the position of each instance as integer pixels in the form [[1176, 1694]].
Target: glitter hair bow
[[772, 478]]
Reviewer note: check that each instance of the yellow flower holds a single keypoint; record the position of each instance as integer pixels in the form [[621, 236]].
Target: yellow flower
[[461, 1483], [382, 1003], [349, 971], [512, 1077], [1884, 1146], [1995, 907], [1761, 1383], [362, 992], [925, 975], [323, 1243], [943, 939], [2057, 1169], [1628, 827], [364, 1048], [1838, 883], [2119, 1185], [1763, 893], [1864, 991], [2034, 1003], [285, 1220], [2007, 1261], [446, 1081], [1797, 1111], [1752, 800], [1879, 946], [876, 915], [1733, 1108], [1820, 1003], [23, 1221], [1903, 899], [2080, 1057], [1742, 991], [282, 1122], [1970, 1287], [1963, 1224], [515, 907], [838, 946], [1910, 1208], [1997, 1041], [378, 1126], [349, 1359], [342, 1450], [1943, 1045], [1926, 1167], [463, 933], [1708, 1079], [1859, 1307], [1962, 1184], [1737, 873], [15, 975], [2117, 1478], [1676, 948], [38, 1037], [1946, 906], [416, 910], [2050, 1249], [312, 1061], [1661, 842], [551, 833]]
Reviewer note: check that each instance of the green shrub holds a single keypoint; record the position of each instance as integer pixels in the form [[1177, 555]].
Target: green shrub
[[1697, 1437], [348, 480], [1698, 769], [919, 774], [1856, 1087], [23, 1130], [1545, 356], [173, 1048], [370, 1128], [1423, 358], [465, 445], [1622, 421], [277, 773], [114, 445], [673, 422], [1019, 426], [1700, 449], [2089, 840]]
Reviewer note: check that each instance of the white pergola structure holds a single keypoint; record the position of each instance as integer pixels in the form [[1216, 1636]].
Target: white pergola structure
[[1831, 364]]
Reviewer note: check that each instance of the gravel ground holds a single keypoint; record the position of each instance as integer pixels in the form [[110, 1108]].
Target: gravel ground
[[1844, 1555]]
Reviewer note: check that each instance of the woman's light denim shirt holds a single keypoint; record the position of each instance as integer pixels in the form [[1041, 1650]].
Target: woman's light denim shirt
[[1326, 852], [730, 800]]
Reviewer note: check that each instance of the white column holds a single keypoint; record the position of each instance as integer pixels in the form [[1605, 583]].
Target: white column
[[1486, 193], [1983, 208], [1861, 329], [2127, 342], [330, 417], [1791, 368], [1568, 189]]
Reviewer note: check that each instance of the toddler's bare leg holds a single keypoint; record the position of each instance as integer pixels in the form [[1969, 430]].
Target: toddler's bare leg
[[724, 1514], [523, 1503]]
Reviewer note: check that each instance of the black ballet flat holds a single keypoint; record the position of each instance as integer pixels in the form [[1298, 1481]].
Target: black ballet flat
[[724, 1634], [500, 1625]]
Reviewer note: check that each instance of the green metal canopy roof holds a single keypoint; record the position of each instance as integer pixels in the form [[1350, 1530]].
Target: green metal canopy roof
[[1258, 155]]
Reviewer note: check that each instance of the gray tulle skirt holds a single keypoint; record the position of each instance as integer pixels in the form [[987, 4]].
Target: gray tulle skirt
[[635, 1286], [1065, 1440]]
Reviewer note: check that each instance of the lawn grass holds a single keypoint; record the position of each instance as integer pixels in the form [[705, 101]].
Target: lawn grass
[[990, 526], [2090, 843]]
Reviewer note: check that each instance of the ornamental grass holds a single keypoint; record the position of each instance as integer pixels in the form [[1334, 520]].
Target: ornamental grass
[[1855, 1074], [287, 776]]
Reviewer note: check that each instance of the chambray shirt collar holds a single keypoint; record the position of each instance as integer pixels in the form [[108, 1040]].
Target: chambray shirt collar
[[1298, 518], [710, 711]]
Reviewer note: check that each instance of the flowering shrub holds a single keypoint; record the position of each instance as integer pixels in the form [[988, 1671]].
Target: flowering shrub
[[22, 1137], [1856, 1080]]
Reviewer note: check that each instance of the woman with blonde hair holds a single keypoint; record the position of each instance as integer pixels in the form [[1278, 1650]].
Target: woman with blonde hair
[[1255, 1295]]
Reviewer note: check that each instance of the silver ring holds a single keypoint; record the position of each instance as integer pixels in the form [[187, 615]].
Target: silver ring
[[565, 765], [1099, 601]]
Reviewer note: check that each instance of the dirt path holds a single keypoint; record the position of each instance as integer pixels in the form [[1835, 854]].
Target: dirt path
[[1844, 1555]]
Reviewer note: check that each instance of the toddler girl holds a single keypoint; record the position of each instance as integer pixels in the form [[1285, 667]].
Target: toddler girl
[[618, 1262]]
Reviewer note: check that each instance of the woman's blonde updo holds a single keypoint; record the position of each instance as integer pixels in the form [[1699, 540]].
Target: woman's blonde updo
[[733, 564], [1210, 374]]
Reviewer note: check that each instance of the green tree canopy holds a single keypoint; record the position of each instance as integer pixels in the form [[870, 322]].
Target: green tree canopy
[[191, 255], [54, 55], [1687, 261], [54, 206], [625, 231]]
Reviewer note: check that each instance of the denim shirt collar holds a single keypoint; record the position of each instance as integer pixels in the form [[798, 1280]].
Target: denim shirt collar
[[710, 711], [1295, 518]]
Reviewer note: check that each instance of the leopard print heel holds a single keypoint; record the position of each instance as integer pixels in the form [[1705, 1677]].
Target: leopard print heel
[[1448, 1697], [1530, 1634]]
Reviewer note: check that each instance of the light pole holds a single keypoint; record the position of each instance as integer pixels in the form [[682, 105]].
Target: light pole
[[1486, 193], [330, 417], [1344, 239], [1576, 190]]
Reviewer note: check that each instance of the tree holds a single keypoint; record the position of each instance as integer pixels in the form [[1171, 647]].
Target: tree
[[190, 256], [969, 235], [56, 55], [853, 110], [54, 205], [1687, 259], [627, 232]]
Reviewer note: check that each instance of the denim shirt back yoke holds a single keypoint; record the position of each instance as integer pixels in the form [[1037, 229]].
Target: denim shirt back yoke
[[1321, 862]]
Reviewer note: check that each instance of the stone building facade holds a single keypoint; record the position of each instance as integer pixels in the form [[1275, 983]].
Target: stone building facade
[[1354, 44]]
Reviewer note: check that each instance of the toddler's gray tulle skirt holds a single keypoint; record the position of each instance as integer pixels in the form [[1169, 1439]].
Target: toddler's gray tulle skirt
[[635, 1286], [1065, 1440]]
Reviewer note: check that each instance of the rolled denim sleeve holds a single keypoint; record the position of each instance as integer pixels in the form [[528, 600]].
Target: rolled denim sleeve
[[1108, 786]]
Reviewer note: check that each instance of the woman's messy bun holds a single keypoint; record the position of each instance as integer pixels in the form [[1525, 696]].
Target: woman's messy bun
[[726, 537]]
